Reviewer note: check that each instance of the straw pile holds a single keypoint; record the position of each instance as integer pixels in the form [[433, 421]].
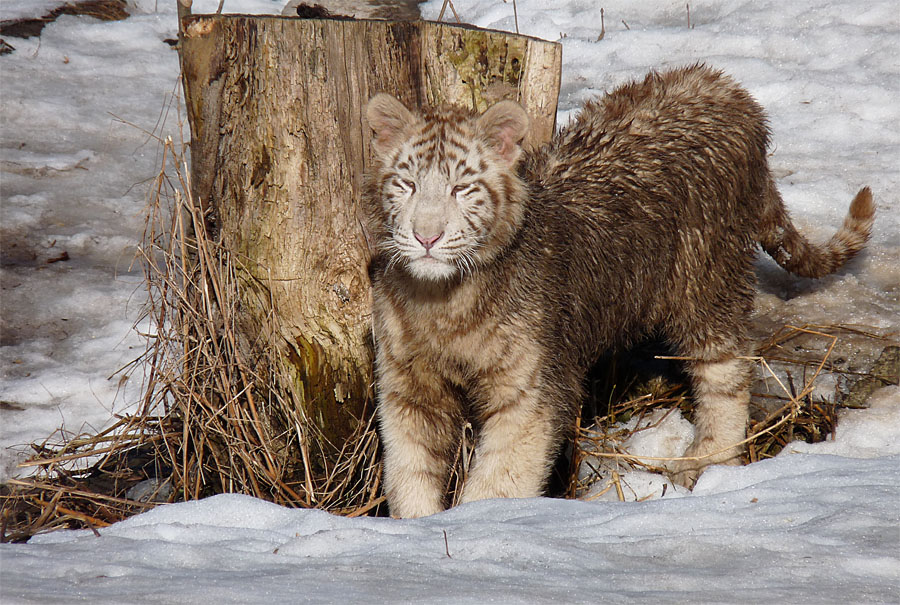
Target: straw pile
[[211, 420], [794, 410]]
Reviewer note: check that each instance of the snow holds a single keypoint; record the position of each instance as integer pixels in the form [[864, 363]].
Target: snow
[[819, 523]]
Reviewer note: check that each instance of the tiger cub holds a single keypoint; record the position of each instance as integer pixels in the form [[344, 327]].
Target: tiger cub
[[501, 276]]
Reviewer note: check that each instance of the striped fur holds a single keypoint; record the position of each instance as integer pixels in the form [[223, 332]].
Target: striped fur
[[501, 276]]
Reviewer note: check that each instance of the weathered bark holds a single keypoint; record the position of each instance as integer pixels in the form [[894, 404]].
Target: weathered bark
[[279, 147]]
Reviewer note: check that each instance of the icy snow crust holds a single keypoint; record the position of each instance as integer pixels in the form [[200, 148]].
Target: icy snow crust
[[818, 524]]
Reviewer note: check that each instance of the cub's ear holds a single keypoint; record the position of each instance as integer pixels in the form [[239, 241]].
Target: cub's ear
[[388, 117], [505, 125]]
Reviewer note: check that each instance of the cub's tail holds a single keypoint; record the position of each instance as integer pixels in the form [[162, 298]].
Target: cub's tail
[[781, 240]]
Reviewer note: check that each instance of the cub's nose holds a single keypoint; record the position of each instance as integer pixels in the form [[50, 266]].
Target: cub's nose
[[428, 242]]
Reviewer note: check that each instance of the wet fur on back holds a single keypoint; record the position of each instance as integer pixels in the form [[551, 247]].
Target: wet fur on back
[[502, 276]]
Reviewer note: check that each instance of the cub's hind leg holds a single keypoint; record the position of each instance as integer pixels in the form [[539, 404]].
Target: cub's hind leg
[[720, 380]]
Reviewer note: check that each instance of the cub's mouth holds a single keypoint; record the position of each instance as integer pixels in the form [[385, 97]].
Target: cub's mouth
[[427, 266]]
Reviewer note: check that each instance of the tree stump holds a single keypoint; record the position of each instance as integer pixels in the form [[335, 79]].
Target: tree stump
[[279, 148]]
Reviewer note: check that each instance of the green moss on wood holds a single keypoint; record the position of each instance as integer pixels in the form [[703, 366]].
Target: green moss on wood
[[485, 60]]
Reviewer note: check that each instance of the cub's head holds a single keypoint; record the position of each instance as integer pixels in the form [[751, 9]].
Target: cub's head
[[445, 185]]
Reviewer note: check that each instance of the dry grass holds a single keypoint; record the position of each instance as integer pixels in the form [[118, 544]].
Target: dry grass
[[235, 423], [81, 481], [212, 420], [778, 416]]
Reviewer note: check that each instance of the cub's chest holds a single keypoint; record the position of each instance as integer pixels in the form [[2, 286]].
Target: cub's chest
[[453, 333]]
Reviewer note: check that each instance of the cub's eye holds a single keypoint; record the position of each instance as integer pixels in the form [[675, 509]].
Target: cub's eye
[[459, 189], [407, 184]]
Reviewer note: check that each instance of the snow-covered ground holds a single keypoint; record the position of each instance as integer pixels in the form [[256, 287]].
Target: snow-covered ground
[[818, 526]]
